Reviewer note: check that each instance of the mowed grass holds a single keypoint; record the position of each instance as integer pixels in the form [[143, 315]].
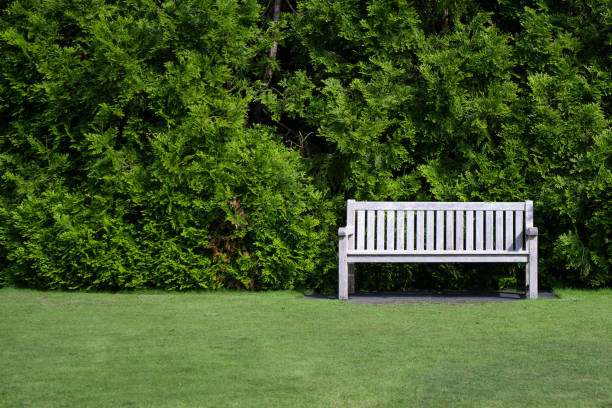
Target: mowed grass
[[276, 349]]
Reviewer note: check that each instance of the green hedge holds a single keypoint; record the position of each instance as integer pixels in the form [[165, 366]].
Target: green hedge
[[140, 148], [127, 158]]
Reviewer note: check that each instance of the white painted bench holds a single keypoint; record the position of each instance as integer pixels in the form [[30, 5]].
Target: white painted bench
[[440, 232]]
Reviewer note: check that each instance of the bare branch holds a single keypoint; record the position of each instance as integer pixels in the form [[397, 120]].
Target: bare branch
[[267, 8], [273, 50], [290, 6]]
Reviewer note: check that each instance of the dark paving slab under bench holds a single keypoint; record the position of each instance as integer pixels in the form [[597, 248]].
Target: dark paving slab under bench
[[450, 296]]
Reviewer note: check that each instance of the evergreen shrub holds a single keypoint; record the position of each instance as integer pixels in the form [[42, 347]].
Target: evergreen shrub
[[140, 147]]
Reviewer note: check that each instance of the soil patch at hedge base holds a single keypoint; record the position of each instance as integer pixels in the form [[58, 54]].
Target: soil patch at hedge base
[[444, 296]]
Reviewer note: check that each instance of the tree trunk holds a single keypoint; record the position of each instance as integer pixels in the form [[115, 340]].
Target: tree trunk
[[272, 55]]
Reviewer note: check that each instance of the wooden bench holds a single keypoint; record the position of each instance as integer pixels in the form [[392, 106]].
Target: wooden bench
[[439, 232]]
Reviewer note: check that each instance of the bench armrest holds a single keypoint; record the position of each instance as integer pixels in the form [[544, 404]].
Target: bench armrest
[[531, 231], [345, 231]]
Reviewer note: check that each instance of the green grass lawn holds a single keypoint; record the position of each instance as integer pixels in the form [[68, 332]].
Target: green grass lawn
[[278, 350]]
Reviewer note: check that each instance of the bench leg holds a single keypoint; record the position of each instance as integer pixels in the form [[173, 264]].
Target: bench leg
[[531, 270], [351, 279], [343, 269]]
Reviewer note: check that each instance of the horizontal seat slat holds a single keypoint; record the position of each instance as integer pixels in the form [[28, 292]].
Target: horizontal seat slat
[[437, 253], [503, 257], [438, 206]]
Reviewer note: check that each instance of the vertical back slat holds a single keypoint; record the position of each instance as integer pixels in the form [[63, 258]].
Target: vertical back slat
[[450, 230], [479, 231], [361, 229], [400, 230], [371, 228], [390, 230], [518, 230], [380, 230], [489, 230], [509, 228], [439, 230], [459, 230], [469, 230], [420, 230], [410, 230], [430, 230], [499, 230]]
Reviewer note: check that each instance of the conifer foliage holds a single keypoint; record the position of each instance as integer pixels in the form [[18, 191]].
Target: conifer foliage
[[151, 143]]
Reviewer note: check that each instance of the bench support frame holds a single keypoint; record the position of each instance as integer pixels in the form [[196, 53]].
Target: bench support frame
[[348, 256]]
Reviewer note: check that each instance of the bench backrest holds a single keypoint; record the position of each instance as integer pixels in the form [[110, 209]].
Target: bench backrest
[[438, 226]]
